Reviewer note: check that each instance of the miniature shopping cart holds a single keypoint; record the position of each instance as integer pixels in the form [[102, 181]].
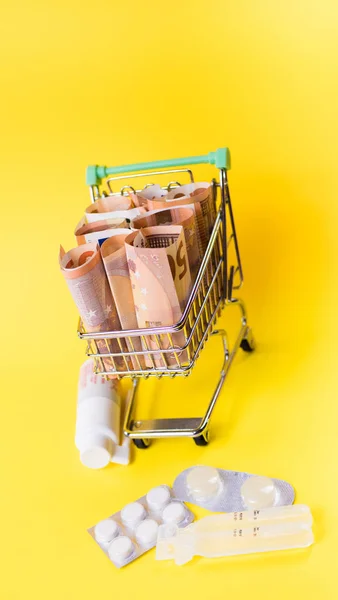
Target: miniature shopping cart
[[217, 280]]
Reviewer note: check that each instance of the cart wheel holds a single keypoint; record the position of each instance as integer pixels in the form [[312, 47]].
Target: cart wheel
[[202, 440], [142, 444], [248, 344]]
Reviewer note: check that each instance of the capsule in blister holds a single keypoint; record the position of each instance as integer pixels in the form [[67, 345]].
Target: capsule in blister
[[220, 490]]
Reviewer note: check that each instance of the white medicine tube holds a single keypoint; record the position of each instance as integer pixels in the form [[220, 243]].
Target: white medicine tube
[[221, 535], [98, 417]]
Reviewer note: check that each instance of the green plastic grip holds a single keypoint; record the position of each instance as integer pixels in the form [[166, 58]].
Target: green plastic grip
[[220, 158]]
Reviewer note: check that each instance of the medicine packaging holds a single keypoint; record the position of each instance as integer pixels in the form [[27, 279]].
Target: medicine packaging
[[220, 490], [132, 531], [228, 534]]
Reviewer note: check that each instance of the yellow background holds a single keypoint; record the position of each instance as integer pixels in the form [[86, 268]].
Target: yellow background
[[116, 82]]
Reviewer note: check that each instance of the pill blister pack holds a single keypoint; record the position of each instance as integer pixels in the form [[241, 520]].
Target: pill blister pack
[[220, 490], [132, 531]]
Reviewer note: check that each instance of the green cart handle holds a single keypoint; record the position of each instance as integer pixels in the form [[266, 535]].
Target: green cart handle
[[220, 158]]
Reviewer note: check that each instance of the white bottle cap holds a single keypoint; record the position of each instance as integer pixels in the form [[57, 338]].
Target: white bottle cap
[[203, 483], [146, 532], [258, 492], [106, 531], [133, 514], [97, 451], [174, 513], [120, 548], [158, 497]]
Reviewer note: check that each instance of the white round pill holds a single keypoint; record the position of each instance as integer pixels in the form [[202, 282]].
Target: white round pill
[[120, 548], [175, 512], [158, 497], [203, 483], [146, 532], [132, 514], [106, 531], [258, 492]]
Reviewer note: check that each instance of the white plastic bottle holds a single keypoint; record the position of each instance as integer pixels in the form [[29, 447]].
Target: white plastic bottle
[[98, 418]]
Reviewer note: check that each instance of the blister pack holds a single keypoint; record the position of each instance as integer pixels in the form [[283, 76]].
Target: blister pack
[[220, 490], [132, 531]]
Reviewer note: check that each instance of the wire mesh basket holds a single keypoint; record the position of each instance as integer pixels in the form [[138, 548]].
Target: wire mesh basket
[[171, 351]]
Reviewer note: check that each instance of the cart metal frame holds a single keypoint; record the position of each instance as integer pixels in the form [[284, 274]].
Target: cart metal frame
[[212, 290]]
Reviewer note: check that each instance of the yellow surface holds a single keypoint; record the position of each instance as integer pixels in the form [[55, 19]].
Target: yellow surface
[[107, 82]]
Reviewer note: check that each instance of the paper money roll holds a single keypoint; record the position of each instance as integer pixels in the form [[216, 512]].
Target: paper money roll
[[114, 257], [198, 196], [113, 207], [160, 276], [86, 233], [149, 193], [83, 270], [183, 216]]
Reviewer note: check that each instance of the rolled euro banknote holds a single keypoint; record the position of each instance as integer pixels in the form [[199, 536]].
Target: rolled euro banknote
[[149, 193], [160, 276], [197, 195], [114, 257], [175, 216], [86, 233], [113, 207], [83, 270]]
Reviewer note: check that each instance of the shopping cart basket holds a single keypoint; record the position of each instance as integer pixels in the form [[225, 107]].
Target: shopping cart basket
[[213, 289]]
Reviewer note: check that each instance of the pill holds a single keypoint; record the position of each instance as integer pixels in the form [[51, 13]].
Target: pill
[[203, 483], [146, 532], [121, 548], [174, 513], [258, 492], [132, 514], [158, 497], [105, 531]]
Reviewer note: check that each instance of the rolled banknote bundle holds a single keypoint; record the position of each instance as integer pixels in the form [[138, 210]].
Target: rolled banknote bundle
[[114, 257], [149, 193], [160, 276], [86, 233], [183, 216], [113, 207], [83, 270], [202, 194], [199, 196]]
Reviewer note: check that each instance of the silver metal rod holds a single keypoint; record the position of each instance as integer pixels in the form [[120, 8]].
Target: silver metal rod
[[232, 220], [222, 174], [150, 173], [154, 428]]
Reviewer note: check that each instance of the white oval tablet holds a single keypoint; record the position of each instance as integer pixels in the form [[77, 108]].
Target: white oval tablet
[[158, 497], [174, 513], [106, 531], [203, 483], [146, 532], [258, 492], [132, 514], [121, 548]]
